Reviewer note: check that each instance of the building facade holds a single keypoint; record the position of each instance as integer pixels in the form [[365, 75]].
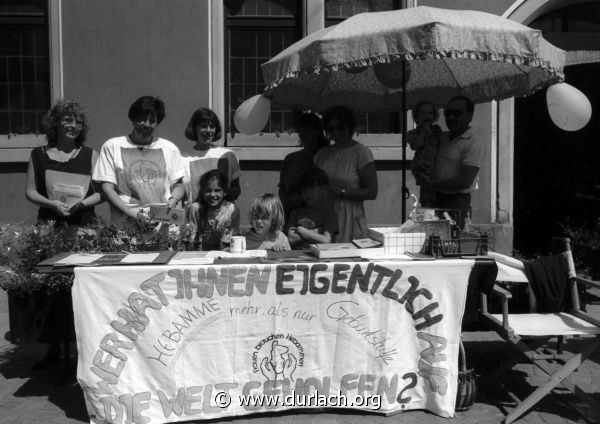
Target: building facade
[[195, 53]]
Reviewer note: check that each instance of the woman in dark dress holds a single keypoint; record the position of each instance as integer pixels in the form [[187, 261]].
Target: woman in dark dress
[[297, 163], [59, 182], [59, 174]]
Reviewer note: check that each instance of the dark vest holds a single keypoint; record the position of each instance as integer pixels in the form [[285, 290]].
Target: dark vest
[[80, 164]]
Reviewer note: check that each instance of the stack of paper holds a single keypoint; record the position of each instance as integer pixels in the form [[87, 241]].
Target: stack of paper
[[343, 250]]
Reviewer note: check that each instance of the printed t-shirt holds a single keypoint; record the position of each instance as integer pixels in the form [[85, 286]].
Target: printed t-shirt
[[196, 165], [142, 175]]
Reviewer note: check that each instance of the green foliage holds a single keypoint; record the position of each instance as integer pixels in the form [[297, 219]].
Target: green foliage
[[585, 243], [23, 247]]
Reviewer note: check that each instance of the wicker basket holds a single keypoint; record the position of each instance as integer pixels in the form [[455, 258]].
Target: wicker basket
[[440, 228], [466, 391], [464, 245]]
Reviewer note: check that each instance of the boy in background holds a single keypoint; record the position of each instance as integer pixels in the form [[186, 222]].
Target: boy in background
[[316, 222]]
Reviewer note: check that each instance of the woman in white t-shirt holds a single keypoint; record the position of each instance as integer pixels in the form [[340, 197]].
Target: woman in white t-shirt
[[204, 129], [140, 169]]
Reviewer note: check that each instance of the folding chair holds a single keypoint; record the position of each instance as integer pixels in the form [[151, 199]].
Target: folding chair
[[530, 332]]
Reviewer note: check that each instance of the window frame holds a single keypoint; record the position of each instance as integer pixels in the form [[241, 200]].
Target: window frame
[[17, 147], [269, 146], [266, 139]]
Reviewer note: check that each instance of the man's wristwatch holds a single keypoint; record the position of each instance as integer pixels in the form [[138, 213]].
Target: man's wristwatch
[[342, 192]]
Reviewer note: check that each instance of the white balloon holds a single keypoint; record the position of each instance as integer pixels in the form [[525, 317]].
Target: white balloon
[[252, 115], [569, 108]]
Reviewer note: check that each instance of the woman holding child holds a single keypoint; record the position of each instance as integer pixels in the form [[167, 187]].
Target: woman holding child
[[350, 167]]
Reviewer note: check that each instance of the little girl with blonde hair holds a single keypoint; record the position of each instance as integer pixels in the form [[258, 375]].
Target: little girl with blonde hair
[[267, 219]]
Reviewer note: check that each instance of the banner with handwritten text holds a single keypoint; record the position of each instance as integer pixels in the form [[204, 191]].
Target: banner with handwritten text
[[162, 344]]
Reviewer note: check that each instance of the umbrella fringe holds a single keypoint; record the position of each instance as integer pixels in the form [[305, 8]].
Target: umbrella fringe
[[422, 55]]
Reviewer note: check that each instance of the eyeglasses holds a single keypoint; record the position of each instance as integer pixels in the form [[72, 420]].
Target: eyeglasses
[[254, 217], [338, 127], [453, 112], [71, 121]]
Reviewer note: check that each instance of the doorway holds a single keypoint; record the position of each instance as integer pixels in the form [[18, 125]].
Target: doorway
[[556, 172]]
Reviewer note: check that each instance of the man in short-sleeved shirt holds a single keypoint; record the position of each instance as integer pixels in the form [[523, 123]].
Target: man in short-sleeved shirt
[[459, 158]]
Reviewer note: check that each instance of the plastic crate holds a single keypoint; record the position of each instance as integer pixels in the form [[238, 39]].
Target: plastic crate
[[464, 245], [395, 242]]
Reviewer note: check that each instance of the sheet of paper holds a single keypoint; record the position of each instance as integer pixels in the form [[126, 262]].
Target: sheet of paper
[[244, 254], [110, 259], [392, 256], [66, 187], [366, 243], [136, 258], [69, 194], [191, 258], [79, 258]]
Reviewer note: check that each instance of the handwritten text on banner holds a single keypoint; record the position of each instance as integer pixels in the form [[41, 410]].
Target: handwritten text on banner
[[158, 343]]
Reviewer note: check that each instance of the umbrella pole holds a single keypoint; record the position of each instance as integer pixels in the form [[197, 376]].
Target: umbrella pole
[[405, 193]]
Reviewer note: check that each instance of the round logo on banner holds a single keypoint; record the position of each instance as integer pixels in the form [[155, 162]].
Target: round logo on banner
[[277, 356]]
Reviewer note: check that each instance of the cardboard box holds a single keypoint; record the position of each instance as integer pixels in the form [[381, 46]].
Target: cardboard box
[[395, 242]]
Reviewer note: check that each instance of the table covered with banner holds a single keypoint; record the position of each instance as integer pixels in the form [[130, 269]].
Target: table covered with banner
[[164, 343]]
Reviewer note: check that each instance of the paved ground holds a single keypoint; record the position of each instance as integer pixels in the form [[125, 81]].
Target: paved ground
[[34, 397]]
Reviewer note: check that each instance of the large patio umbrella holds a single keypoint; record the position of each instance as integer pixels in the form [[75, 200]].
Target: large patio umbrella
[[388, 61]]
